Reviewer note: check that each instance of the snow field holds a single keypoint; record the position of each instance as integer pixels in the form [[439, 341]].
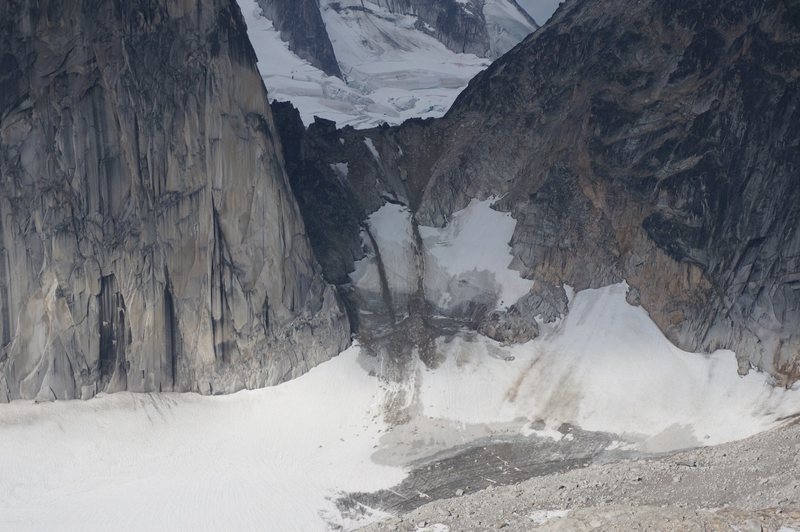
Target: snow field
[[271, 459]]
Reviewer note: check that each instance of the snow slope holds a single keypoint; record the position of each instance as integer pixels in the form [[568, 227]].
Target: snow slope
[[505, 26], [287, 77], [605, 367], [270, 459], [470, 255], [389, 229]]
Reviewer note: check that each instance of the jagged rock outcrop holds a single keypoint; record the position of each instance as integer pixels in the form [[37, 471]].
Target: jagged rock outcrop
[[149, 238], [331, 208], [660, 146], [300, 24], [655, 142]]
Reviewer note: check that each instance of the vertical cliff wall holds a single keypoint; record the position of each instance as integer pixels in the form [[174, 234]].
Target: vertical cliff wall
[[149, 239], [300, 24]]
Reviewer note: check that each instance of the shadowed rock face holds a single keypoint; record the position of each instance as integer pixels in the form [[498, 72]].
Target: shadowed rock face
[[656, 142], [300, 24], [149, 239]]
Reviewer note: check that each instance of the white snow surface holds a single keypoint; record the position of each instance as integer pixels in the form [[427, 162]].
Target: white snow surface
[[605, 367], [472, 254], [390, 226], [372, 149], [272, 459], [540, 517], [505, 25], [467, 260]]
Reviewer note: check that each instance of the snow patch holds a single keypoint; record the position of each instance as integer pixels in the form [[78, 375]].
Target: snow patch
[[540, 517], [436, 527], [549, 433], [466, 261], [371, 147], [390, 228], [505, 24], [471, 255], [342, 170], [570, 292]]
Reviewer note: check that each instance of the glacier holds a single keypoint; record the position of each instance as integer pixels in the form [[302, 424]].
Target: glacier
[[392, 70]]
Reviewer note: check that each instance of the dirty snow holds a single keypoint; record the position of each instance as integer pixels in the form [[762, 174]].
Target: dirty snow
[[605, 367], [540, 517], [390, 227]]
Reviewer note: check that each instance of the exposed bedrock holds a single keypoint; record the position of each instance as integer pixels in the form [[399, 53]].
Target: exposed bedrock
[[149, 238], [656, 142], [300, 24]]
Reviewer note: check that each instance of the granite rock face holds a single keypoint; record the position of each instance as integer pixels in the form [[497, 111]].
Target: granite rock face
[[655, 142], [300, 24], [149, 238]]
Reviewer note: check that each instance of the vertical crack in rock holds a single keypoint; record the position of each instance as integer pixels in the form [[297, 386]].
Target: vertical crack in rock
[[221, 281], [5, 311], [171, 335], [265, 315], [114, 336]]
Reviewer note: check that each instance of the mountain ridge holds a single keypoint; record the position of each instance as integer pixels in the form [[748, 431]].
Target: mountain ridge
[[618, 147]]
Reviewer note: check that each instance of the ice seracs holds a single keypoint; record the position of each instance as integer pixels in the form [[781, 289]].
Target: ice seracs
[[393, 66]]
